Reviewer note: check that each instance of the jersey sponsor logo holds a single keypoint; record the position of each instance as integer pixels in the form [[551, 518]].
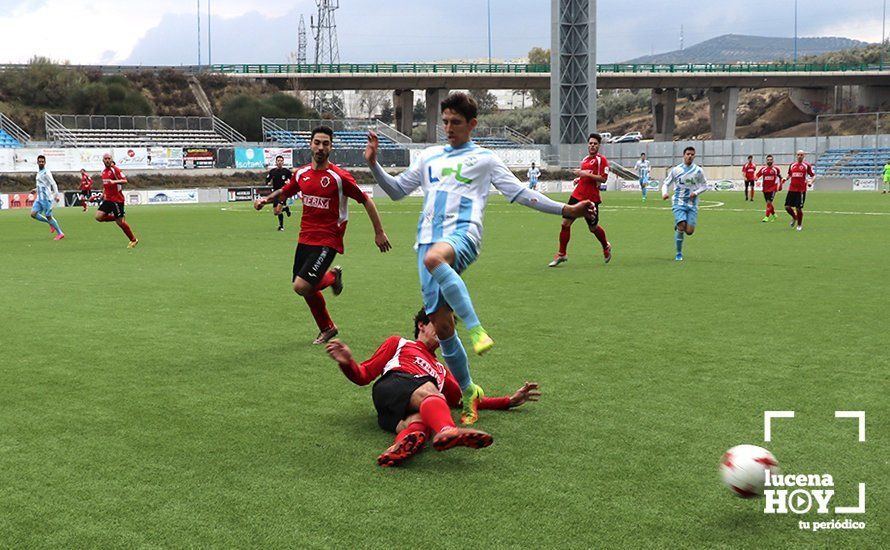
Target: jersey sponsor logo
[[317, 202], [427, 368], [456, 172]]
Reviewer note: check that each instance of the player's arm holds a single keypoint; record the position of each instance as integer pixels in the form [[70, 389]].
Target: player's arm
[[290, 189], [362, 374], [380, 238], [53, 187], [666, 186], [397, 187], [592, 175], [509, 186], [122, 179], [530, 391]]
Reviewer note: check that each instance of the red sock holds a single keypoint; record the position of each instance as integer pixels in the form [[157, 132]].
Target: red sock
[[799, 216], [564, 235], [326, 280], [319, 311], [600, 234], [435, 413], [125, 227], [412, 427]]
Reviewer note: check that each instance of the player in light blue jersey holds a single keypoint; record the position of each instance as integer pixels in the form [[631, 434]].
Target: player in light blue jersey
[[456, 180], [689, 182], [533, 174], [643, 168], [47, 192]]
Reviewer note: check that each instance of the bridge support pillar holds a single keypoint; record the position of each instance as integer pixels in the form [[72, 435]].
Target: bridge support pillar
[[664, 103], [434, 96], [403, 102], [724, 104]]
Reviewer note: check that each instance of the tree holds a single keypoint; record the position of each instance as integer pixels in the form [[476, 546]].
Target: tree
[[419, 109], [387, 113], [244, 112], [539, 56], [371, 100], [486, 101]]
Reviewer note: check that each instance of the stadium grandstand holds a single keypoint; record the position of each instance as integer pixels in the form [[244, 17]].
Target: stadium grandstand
[[11, 136], [852, 162], [495, 137], [348, 133], [136, 131]]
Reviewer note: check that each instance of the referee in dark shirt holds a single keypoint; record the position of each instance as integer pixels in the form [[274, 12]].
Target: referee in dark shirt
[[277, 177]]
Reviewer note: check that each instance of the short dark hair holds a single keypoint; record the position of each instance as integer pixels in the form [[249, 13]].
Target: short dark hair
[[322, 130], [461, 103], [597, 137], [279, 157], [420, 319], [690, 148], [750, 156], [41, 157], [642, 154], [769, 156]]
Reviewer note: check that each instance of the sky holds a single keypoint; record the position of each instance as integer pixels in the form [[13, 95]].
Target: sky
[[164, 32]]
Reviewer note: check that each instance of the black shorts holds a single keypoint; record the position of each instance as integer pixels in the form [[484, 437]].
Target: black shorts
[[749, 183], [592, 221], [795, 199], [312, 262], [392, 394], [115, 209], [769, 195]]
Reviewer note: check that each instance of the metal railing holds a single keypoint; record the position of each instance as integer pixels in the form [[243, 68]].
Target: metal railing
[[538, 68], [337, 125], [14, 130], [385, 129], [226, 131], [515, 135], [57, 132]]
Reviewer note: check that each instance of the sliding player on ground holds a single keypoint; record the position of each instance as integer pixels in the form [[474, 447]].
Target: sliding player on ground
[[594, 171], [324, 188], [47, 193], [456, 180], [689, 182], [414, 391]]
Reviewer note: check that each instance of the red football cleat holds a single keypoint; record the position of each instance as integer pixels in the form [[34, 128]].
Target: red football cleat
[[407, 447], [461, 437]]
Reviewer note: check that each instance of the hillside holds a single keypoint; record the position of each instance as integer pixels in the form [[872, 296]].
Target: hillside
[[739, 48]]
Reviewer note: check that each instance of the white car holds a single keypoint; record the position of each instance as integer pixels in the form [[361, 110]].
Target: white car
[[607, 137], [630, 137]]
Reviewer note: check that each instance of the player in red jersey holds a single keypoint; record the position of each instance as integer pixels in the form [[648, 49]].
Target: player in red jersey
[[798, 173], [86, 188], [772, 182], [414, 392], [594, 171], [749, 171], [324, 188], [111, 209]]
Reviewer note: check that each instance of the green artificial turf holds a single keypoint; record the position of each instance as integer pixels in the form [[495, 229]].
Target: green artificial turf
[[169, 396]]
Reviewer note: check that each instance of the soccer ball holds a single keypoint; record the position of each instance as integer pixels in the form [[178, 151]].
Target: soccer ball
[[744, 467]]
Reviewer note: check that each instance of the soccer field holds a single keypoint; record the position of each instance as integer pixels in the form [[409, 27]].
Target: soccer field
[[169, 396]]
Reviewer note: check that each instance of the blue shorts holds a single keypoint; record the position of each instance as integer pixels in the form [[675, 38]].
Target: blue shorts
[[688, 214], [464, 254], [43, 206]]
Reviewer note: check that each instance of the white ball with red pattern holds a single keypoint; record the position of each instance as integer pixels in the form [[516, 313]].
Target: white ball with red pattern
[[744, 467]]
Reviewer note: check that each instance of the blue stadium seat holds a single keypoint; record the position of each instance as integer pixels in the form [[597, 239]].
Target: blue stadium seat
[[7, 141]]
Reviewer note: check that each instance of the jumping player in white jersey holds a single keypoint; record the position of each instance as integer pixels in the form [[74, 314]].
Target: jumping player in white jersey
[[47, 192], [456, 180], [689, 182], [643, 168]]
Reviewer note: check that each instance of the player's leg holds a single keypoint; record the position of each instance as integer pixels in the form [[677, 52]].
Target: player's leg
[[276, 209], [438, 259], [411, 437], [680, 214], [37, 212], [121, 221], [565, 234], [436, 414], [310, 265], [790, 202], [593, 224], [644, 184], [51, 220]]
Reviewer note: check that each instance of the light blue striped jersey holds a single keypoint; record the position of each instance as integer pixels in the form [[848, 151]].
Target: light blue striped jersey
[[456, 183], [686, 181], [643, 168], [46, 186]]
